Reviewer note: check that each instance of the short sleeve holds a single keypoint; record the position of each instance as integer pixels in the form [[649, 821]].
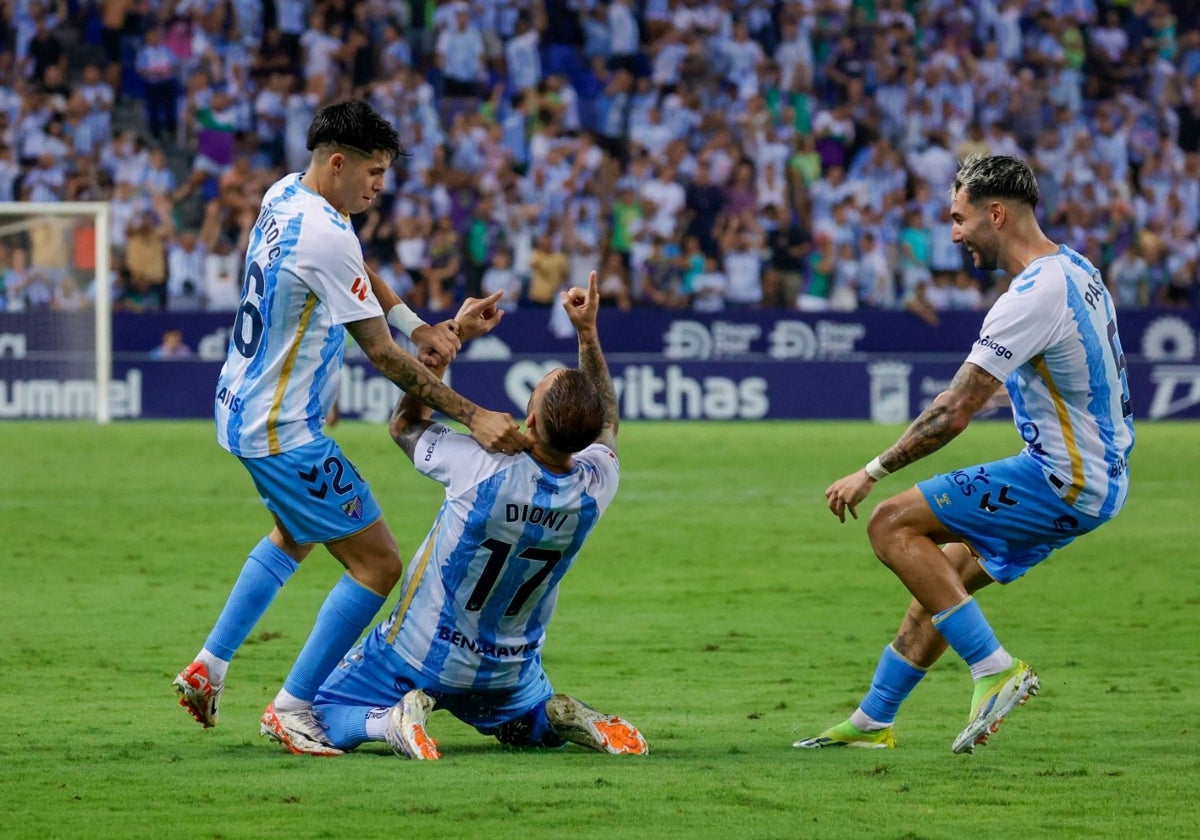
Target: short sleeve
[[452, 459], [604, 471], [335, 271], [1020, 325]]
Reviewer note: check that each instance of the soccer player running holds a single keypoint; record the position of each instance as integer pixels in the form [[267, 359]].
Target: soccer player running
[[467, 633], [305, 284], [1052, 340]]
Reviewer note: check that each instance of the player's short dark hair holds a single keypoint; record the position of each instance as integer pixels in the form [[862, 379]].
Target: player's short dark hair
[[353, 124], [572, 414], [986, 177]]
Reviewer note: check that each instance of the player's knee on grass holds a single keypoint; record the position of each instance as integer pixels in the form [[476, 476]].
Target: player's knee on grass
[[532, 729]]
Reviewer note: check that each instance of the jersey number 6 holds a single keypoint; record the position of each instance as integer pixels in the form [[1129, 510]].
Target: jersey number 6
[[249, 312]]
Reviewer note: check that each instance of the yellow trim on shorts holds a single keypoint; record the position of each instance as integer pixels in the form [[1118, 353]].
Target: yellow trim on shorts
[[1064, 420], [289, 364], [411, 589]]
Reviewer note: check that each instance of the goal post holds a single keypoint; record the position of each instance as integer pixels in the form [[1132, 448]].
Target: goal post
[[43, 240]]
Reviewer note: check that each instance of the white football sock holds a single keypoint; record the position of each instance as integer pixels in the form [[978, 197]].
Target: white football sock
[[995, 662], [866, 723], [217, 667], [285, 701]]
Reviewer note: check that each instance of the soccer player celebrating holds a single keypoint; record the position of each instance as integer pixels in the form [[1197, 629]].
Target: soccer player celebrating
[[467, 633], [305, 284], [1052, 340]]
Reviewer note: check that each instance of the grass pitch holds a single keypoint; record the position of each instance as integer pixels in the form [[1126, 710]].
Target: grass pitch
[[718, 606]]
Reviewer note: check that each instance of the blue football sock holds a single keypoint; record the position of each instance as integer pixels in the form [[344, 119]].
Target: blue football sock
[[967, 631], [895, 678], [266, 570], [344, 615], [348, 726]]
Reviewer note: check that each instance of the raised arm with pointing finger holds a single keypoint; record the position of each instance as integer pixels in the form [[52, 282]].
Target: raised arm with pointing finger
[[305, 285], [467, 635]]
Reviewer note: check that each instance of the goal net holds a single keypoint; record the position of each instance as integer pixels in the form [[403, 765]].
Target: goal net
[[55, 311]]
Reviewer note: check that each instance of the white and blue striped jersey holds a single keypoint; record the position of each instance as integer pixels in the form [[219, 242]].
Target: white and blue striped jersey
[[1052, 339], [303, 278], [481, 589]]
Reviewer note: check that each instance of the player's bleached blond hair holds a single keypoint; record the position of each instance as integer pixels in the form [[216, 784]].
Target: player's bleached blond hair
[[996, 176]]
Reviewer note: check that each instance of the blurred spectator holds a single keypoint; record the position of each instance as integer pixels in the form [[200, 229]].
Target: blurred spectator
[[69, 297], [442, 275], [658, 282], [146, 255], [186, 257], [613, 283], [709, 287], [460, 56], [550, 268], [811, 117], [822, 265], [917, 302], [45, 50], [10, 173], [740, 239], [172, 346], [521, 56], [14, 277], [156, 68], [624, 36], [500, 277], [788, 246], [222, 264], [877, 283], [848, 280], [965, 293]]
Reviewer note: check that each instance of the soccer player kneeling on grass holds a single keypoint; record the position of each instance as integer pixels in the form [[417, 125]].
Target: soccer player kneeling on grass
[[1052, 340], [467, 632]]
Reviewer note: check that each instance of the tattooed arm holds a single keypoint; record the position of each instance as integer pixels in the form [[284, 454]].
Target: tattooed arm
[[582, 307], [936, 426], [494, 430], [411, 416], [944, 419]]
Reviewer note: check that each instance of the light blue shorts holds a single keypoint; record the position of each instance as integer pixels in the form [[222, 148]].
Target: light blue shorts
[[1007, 511], [315, 491], [374, 676]]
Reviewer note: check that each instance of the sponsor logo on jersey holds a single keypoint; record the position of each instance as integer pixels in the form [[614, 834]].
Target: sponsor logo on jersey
[[998, 349], [456, 638], [230, 400]]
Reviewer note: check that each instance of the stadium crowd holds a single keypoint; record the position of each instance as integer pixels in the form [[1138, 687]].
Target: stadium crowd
[[706, 154]]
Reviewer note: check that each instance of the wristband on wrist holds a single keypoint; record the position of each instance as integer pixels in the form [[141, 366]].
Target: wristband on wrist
[[404, 319], [877, 470]]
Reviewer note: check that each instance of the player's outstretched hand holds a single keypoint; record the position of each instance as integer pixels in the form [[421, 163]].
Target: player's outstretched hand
[[437, 343], [498, 431], [582, 305], [478, 316], [846, 493]]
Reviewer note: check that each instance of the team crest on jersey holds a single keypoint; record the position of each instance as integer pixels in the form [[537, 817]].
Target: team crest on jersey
[[353, 508]]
